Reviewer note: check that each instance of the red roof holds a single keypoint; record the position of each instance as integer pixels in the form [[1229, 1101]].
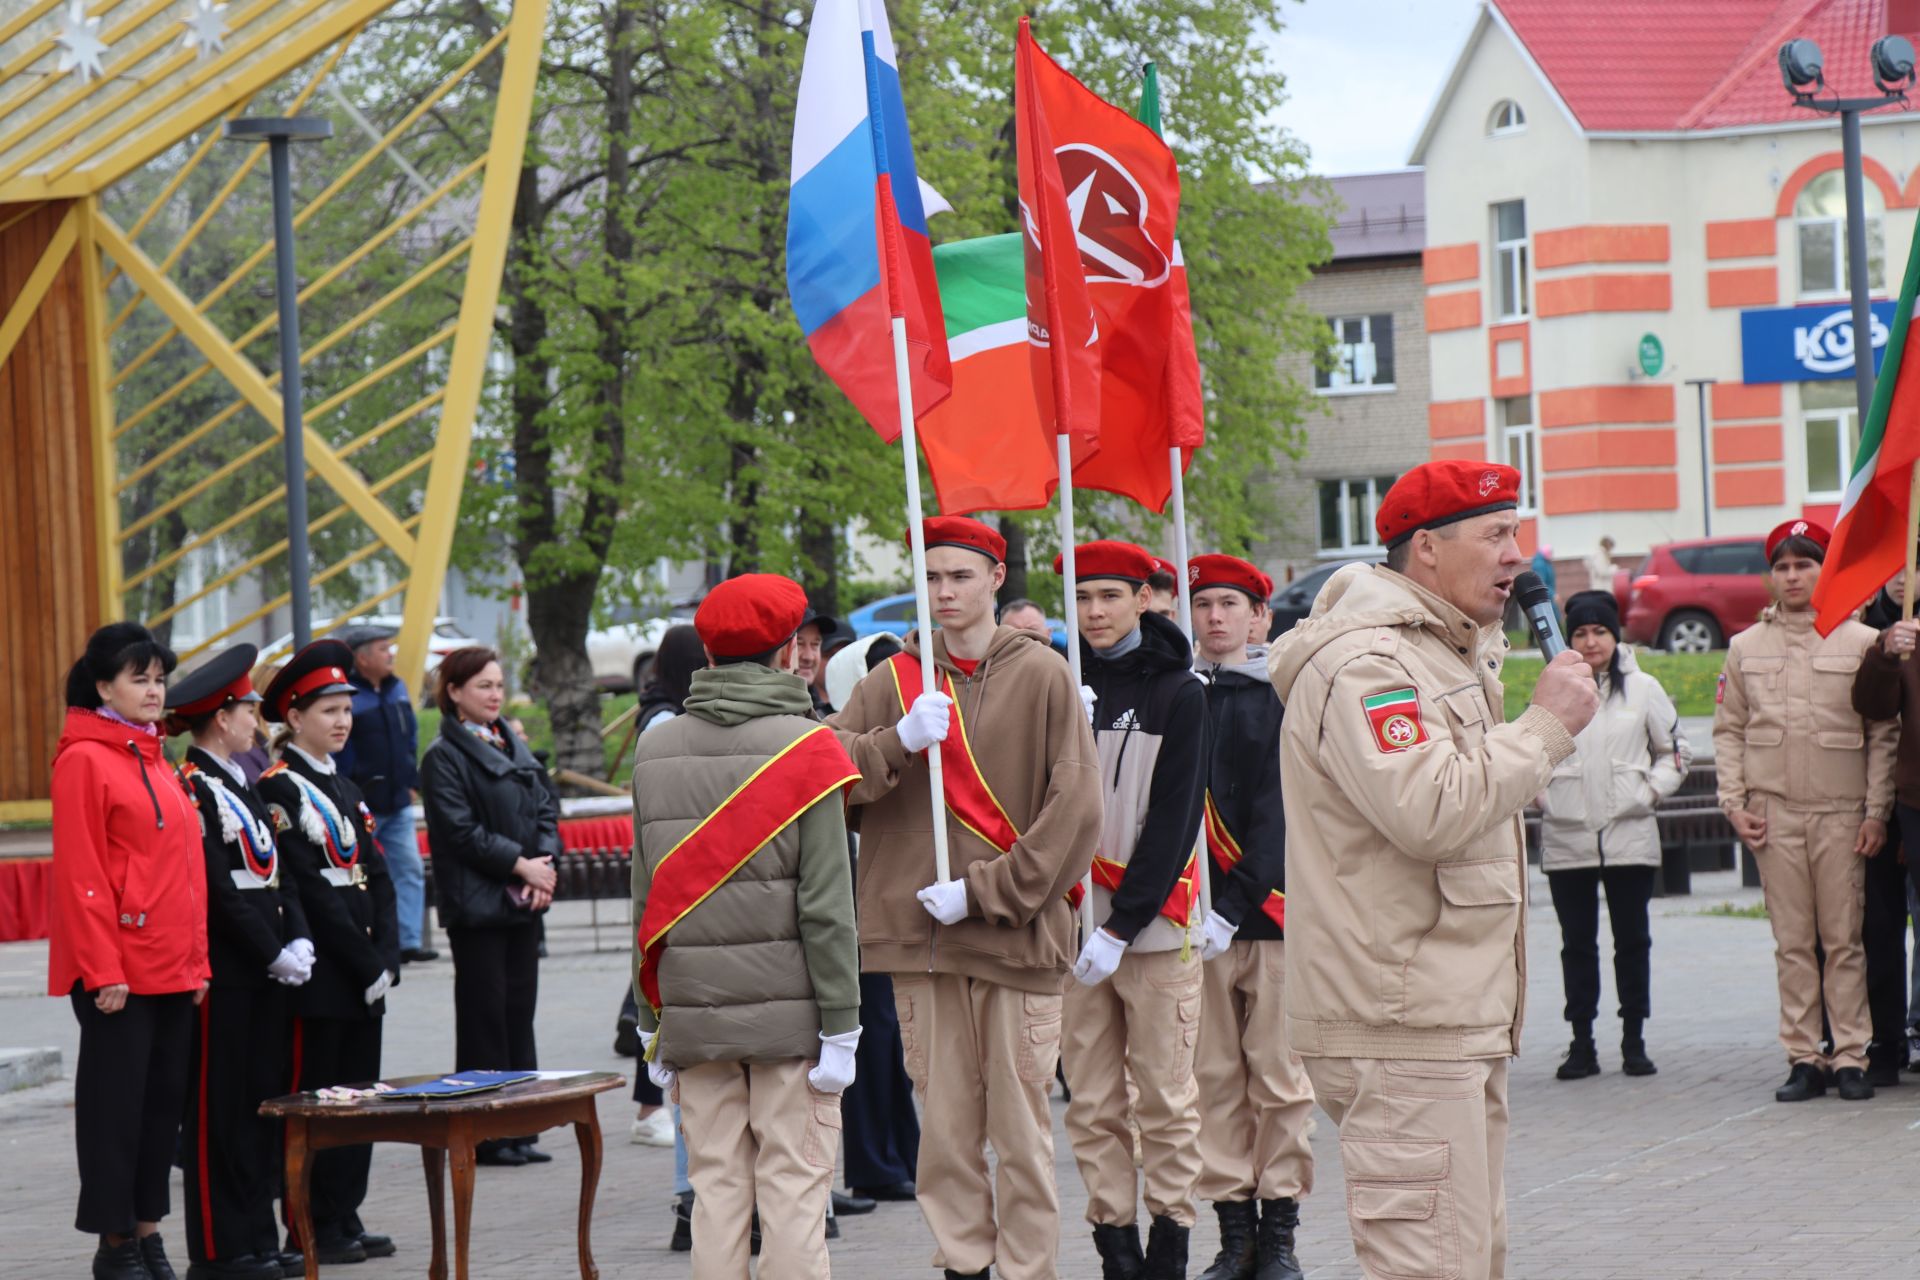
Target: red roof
[[1667, 65]]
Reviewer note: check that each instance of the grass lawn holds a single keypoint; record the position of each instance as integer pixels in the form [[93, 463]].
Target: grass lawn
[[1689, 679]]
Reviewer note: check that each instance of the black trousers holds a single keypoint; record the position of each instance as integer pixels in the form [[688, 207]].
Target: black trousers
[[230, 1154], [645, 1091], [882, 1131], [496, 982], [1576, 900], [330, 1051], [129, 1091]]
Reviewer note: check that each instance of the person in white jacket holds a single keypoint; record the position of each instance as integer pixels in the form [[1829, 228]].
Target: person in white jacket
[[1598, 828]]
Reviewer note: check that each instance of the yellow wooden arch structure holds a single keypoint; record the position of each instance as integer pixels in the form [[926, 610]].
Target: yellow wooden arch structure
[[86, 427]]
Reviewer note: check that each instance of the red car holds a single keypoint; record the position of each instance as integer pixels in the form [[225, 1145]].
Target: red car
[[1689, 597]]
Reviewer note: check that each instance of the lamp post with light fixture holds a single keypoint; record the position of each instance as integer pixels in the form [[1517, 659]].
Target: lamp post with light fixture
[[1803, 71]]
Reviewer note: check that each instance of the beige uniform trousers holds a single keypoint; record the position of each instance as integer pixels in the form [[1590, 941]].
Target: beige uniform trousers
[[1425, 1146], [1815, 889], [982, 1057], [1256, 1105], [758, 1134], [1142, 1022]]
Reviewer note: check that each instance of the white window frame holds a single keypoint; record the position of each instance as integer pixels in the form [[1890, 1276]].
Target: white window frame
[[1337, 323], [1527, 436], [1846, 437], [1515, 123], [1348, 485], [1835, 225], [1516, 253]]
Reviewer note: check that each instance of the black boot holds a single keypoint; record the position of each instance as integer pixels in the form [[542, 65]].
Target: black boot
[[1120, 1255], [1166, 1251], [1803, 1082], [120, 1261], [1582, 1060], [1238, 1221], [154, 1254], [1279, 1219], [682, 1241], [981, 1274], [1633, 1049], [1852, 1085]]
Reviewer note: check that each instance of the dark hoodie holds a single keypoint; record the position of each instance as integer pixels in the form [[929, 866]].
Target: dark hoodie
[[1150, 727], [1243, 777]]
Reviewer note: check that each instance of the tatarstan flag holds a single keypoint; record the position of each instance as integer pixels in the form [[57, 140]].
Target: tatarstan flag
[[1870, 538]]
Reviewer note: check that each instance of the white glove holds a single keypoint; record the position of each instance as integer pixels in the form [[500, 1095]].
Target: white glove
[[287, 968], [1087, 698], [835, 1071], [302, 947], [659, 1072], [945, 900], [1098, 959], [1216, 936], [379, 987], [926, 723]]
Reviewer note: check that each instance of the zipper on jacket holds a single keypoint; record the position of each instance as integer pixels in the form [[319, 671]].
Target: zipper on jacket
[[159, 823]]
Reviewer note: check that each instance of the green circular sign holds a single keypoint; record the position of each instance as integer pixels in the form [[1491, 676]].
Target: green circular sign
[[1652, 355]]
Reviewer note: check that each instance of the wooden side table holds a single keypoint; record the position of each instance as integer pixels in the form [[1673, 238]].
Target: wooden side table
[[445, 1128]]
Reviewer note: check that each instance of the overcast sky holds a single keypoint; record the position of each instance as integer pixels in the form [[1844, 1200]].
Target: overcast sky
[[1362, 74]]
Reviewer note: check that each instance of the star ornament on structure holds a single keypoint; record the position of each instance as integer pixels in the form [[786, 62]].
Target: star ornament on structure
[[81, 48], [205, 28]]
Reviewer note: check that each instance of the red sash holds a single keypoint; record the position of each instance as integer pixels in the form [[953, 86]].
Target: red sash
[[806, 771], [1179, 904], [1226, 851]]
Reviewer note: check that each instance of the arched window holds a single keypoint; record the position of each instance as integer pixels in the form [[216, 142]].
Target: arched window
[[1507, 117], [1820, 215]]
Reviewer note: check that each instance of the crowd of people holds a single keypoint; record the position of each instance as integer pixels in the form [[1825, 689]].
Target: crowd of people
[[1121, 869]]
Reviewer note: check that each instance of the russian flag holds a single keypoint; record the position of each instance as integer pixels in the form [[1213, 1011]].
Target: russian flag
[[857, 249]]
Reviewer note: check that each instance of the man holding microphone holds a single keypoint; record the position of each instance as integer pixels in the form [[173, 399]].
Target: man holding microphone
[[1406, 864]]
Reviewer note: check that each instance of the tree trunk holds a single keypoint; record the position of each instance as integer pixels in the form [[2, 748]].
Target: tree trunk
[[820, 547], [1015, 587]]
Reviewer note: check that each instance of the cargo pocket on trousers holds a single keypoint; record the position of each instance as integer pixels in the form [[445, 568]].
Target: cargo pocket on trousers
[[821, 1147], [1039, 1053], [1400, 1204], [1188, 1029], [913, 1046]]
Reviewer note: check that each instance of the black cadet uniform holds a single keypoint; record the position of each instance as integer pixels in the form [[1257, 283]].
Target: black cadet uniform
[[327, 848], [230, 1153]]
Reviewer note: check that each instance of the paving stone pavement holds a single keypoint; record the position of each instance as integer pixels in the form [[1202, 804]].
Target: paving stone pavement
[[1695, 1172]]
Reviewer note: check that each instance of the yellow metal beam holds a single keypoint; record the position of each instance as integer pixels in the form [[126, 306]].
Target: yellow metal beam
[[26, 811], [249, 382], [27, 301], [278, 602], [468, 368], [106, 507]]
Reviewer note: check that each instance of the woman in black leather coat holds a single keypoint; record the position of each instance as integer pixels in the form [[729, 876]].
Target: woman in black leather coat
[[493, 827]]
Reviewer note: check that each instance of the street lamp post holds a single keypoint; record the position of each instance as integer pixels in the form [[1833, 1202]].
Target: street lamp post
[[279, 133], [1802, 70]]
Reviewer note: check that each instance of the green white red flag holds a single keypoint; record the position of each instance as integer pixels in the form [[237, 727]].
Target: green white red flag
[[1870, 537]]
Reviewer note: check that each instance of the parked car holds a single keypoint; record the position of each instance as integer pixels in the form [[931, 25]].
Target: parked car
[[447, 636], [895, 614], [1690, 597], [1294, 601], [622, 650]]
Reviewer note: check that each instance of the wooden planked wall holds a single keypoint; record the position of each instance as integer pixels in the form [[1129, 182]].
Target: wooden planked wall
[[49, 596]]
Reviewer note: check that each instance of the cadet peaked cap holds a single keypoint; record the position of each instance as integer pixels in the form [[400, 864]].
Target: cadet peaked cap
[[752, 614], [319, 668], [1108, 559], [1206, 572], [224, 678], [1434, 494], [964, 531], [1818, 535]]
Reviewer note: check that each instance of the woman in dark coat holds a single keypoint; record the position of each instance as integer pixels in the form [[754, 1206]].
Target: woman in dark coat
[[494, 829], [128, 941]]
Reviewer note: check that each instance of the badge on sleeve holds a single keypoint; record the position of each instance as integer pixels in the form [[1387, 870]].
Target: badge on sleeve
[[279, 817], [1395, 717], [1720, 690]]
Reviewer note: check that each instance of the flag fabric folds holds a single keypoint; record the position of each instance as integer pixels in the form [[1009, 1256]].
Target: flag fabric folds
[[857, 248], [1870, 537]]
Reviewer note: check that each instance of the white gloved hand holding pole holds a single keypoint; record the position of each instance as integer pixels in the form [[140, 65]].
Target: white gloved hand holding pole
[[1098, 959], [926, 722], [1087, 698], [1216, 936], [945, 900], [836, 1067], [659, 1072]]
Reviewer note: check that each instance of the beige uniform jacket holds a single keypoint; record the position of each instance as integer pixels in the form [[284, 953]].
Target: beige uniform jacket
[[1785, 725], [1406, 861]]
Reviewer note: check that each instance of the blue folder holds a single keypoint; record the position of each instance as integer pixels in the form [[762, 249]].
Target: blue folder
[[460, 1084]]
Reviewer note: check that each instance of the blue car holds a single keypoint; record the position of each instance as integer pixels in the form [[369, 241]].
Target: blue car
[[895, 614]]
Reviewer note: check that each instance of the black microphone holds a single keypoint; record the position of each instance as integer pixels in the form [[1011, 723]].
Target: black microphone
[[1537, 603]]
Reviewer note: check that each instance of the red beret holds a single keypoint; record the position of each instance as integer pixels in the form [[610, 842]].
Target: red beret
[[1204, 572], [1439, 493], [964, 531], [1797, 528], [751, 614], [1108, 559], [1167, 567]]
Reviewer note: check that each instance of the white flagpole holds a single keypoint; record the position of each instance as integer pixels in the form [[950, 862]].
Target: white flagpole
[[1071, 611], [922, 608], [1181, 555]]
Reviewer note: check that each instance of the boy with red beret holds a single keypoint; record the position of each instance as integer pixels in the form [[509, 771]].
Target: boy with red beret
[[745, 958], [977, 961], [1134, 1010]]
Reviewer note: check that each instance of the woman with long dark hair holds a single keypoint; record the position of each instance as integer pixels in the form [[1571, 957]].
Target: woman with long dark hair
[[495, 830], [128, 941], [1598, 830]]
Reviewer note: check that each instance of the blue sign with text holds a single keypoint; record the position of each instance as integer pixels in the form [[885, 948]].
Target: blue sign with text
[[1806, 344]]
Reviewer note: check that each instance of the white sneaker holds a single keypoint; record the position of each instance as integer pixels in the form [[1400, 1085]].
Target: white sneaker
[[654, 1131]]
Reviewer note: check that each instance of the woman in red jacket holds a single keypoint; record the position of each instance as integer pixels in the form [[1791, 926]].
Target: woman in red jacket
[[129, 941]]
